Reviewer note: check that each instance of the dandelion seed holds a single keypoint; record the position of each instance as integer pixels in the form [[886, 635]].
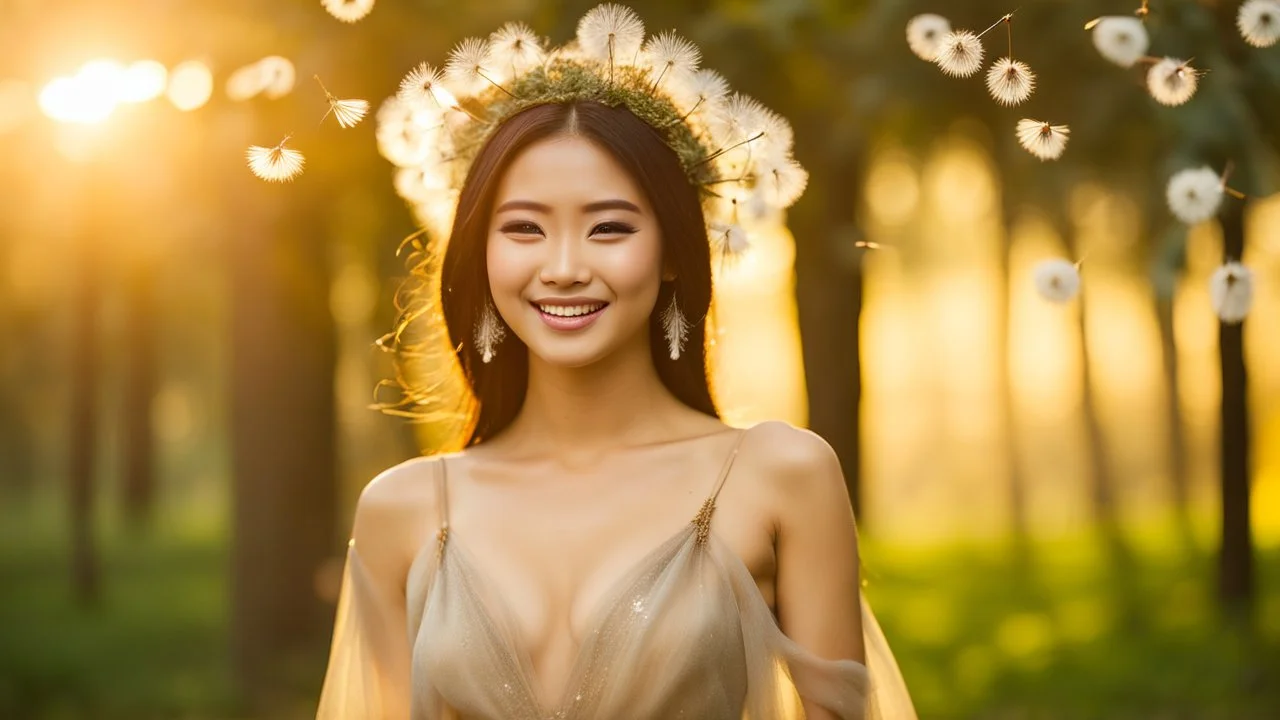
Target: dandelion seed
[[515, 46], [1057, 280], [782, 182], [348, 11], [670, 57], [729, 238], [1231, 292], [1010, 81], [424, 85], [471, 67], [348, 112], [960, 54], [704, 90], [925, 33], [1172, 81], [275, 164], [1195, 194], [1121, 40], [1259, 22], [611, 33], [1041, 139]]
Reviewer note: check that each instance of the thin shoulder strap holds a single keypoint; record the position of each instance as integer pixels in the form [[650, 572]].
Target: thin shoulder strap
[[702, 521], [728, 463], [442, 496]]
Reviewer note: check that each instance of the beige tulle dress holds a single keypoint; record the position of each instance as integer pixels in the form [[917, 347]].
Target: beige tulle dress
[[684, 634]]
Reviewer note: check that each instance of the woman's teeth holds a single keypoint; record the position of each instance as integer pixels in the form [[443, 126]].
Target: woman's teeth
[[570, 310]]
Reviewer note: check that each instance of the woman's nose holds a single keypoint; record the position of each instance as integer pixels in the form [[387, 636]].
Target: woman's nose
[[565, 264]]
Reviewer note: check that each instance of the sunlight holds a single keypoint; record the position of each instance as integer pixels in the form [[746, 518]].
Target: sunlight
[[190, 85]]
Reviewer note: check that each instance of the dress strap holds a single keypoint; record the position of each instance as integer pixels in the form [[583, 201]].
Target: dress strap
[[702, 521], [442, 496]]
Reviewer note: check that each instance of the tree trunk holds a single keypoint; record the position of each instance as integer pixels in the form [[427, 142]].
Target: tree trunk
[[829, 299], [139, 392], [1236, 562], [1179, 482], [282, 433], [85, 350]]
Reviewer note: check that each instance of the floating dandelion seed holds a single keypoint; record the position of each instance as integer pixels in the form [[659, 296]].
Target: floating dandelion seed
[[670, 57], [729, 238], [611, 33], [1010, 81], [1121, 40], [471, 67], [960, 54], [424, 85], [1172, 81], [348, 11], [515, 46], [1259, 22], [925, 33], [1057, 280], [1195, 194], [1041, 139], [1231, 292], [275, 164], [348, 112]]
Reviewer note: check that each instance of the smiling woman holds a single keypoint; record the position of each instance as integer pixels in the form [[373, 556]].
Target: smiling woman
[[601, 545]]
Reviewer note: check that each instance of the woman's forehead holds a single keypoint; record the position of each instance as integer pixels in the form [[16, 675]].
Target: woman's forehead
[[567, 169]]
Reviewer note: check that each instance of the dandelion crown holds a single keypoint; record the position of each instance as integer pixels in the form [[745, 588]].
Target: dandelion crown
[[736, 151]]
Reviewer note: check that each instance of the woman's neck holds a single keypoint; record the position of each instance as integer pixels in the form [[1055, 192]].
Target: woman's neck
[[583, 413]]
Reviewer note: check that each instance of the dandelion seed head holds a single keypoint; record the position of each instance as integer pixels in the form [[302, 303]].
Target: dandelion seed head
[[1057, 280], [275, 164], [670, 58], [1172, 81], [1231, 292], [349, 113], [1121, 40], [517, 48], [611, 33], [471, 68], [348, 11], [1195, 194], [730, 239], [925, 33], [960, 54], [1041, 139], [1259, 22], [1010, 81], [782, 183], [424, 86], [702, 92]]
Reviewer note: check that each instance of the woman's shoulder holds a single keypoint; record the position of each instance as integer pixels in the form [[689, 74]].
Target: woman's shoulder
[[398, 508], [797, 465]]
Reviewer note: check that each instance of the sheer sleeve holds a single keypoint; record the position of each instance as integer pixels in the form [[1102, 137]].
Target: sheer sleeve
[[368, 674], [888, 698]]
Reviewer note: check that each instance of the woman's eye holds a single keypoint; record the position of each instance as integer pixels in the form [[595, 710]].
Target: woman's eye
[[521, 228], [612, 228]]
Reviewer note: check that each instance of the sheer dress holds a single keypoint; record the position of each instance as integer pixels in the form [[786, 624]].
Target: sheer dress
[[685, 633]]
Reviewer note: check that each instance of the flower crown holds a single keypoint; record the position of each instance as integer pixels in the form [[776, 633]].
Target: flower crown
[[735, 150]]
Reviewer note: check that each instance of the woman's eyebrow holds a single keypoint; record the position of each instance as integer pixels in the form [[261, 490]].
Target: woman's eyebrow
[[593, 207]]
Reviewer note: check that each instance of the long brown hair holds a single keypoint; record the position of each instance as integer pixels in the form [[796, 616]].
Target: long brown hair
[[498, 387]]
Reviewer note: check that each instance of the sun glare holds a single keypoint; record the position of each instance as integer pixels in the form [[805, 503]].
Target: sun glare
[[190, 85], [91, 95]]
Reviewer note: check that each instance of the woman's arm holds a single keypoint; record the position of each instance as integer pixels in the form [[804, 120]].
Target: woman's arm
[[817, 546], [369, 661]]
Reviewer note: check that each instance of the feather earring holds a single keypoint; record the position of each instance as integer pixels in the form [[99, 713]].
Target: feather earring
[[674, 327], [489, 332]]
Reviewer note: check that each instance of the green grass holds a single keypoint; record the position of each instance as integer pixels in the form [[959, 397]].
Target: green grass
[[1071, 636]]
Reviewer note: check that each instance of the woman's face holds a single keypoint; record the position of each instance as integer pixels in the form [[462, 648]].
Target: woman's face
[[574, 253]]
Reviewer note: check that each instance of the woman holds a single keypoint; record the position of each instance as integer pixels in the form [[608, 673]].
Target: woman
[[604, 546]]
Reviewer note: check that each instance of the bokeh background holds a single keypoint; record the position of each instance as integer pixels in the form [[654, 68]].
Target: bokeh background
[[1067, 511]]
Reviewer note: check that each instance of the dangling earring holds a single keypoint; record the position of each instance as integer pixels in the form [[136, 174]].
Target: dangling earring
[[489, 332], [674, 327]]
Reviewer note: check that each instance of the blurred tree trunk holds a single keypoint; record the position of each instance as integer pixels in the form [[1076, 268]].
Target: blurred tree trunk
[[85, 352], [1020, 536], [139, 392], [1236, 562], [829, 299], [282, 432]]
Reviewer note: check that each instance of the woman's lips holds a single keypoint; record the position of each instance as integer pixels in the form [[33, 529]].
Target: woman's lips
[[577, 322]]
